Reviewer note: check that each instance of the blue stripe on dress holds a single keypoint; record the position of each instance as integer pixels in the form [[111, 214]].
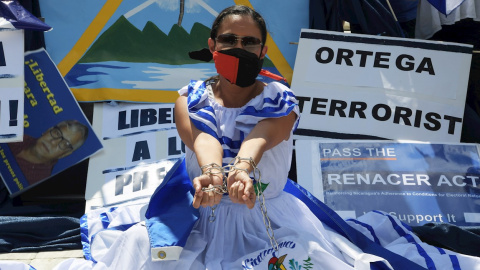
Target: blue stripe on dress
[[232, 144], [229, 154], [428, 261], [273, 101], [453, 259], [455, 262], [368, 227], [285, 95], [195, 94], [105, 219], [268, 111], [84, 237], [87, 238], [231, 147], [205, 128], [207, 114], [282, 107]]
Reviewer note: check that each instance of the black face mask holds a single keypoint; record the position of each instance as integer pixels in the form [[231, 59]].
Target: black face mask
[[238, 66]]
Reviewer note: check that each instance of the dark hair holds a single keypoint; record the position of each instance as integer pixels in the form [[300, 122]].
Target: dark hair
[[239, 10]]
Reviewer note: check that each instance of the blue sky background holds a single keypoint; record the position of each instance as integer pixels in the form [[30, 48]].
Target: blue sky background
[[69, 19]]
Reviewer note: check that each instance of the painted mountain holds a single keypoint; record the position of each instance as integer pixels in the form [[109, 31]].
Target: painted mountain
[[124, 42]]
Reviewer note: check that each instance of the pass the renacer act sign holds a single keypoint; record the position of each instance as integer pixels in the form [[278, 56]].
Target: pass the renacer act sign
[[417, 182], [386, 87]]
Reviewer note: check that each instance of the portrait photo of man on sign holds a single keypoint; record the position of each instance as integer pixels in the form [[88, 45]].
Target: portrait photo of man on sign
[[37, 156]]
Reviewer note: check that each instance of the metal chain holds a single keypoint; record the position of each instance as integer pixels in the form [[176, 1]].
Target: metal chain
[[261, 202], [213, 168], [266, 219], [212, 216]]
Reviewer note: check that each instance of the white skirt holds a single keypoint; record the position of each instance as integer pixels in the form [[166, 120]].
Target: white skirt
[[237, 239]]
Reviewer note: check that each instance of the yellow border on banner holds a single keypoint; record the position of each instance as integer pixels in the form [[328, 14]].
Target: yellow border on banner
[[133, 95], [88, 37], [273, 51]]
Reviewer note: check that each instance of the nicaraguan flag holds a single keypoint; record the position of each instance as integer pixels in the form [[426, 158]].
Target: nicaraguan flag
[[15, 16], [445, 6]]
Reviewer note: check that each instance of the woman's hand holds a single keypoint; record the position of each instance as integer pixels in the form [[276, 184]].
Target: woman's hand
[[240, 188], [206, 198]]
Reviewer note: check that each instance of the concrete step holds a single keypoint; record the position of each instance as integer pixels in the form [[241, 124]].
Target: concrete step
[[45, 260]]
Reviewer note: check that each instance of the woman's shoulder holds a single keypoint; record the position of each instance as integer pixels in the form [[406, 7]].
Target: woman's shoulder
[[277, 91], [193, 86], [276, 88], [275, 97]]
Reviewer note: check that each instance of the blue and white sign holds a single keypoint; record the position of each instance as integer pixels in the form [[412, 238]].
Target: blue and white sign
[[417, 182], [56, 134]]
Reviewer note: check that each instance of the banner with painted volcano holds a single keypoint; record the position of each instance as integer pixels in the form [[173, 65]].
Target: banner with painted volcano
[[137, 51]]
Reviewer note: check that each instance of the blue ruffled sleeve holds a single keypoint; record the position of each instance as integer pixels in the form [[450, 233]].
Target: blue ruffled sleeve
[[200, 111], [277, 100]]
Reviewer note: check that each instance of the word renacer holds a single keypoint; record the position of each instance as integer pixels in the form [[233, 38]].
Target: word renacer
[[432, 121], [405, 179], [403, 62]]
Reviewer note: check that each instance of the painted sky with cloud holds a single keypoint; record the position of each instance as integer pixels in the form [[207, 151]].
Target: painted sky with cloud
[[69, 19]]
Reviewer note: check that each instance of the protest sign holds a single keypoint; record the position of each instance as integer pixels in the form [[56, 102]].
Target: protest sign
[[11, 85], [416, 182], [57, 134], [14, 18], [139, 51], [384, 87], [141, 144]]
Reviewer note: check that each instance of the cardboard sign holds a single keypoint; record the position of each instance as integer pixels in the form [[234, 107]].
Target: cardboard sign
[[417, 182], [11, 85], [385, 87], [141, 145], [57, 133]]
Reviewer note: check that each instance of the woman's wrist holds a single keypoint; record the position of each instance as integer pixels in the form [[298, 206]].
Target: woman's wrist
[[245, 164], [212, 168]]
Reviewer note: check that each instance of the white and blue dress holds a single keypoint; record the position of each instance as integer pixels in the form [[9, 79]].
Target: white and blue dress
[[168, 233]]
